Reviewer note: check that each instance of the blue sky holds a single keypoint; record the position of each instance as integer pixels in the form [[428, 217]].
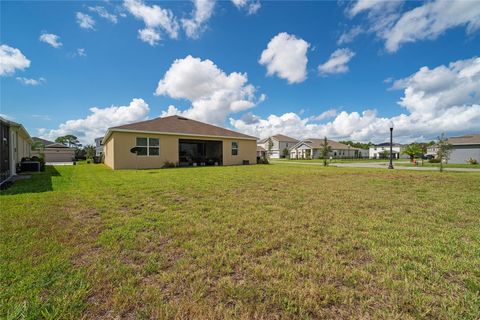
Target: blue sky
[[103, 62]]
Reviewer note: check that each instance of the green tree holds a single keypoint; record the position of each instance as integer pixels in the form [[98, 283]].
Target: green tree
[[269, 146], [69, 140], [89, 151], [325, 150], [384, 154], [412, 150], [444, 149], [286, 153]]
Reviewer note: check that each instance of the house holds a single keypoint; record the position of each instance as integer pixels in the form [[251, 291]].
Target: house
[[53, 152], [464, 148], [16, 144], [261, 152], [98, 147], [175, 140], [275, 145], [376, 151], [311, 148]]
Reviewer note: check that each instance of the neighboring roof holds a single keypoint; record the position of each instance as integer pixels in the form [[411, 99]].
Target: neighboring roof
[[386, 144], [178, 125], [280, 138], [259, 148], [467, 139], [45, 142], [19, 126], [56, 145], [318, 143]]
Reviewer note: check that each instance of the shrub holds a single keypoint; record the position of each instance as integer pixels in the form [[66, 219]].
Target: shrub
[[472, 161], [168, 164], [434, 160], [41, 160], [262, 161]]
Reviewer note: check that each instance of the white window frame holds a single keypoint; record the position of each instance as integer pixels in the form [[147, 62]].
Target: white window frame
[[148, 146], [236, 142]]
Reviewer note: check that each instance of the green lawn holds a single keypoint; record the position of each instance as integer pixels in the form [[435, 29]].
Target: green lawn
[[270, 242], [337, 160], [437, 165]]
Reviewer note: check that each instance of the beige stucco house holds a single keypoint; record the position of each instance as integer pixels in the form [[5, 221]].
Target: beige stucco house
[[16, 144], [311, 149], [53, 152], [175, 140]]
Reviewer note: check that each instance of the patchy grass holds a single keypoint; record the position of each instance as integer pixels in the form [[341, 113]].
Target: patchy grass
[[276, 241], [338, 160], [437, 165]]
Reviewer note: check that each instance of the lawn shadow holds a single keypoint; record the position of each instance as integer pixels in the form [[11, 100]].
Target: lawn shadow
[[40, 182]]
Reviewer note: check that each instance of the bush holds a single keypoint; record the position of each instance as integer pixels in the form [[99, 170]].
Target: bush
[[168, 164], [41, 160], [472, 161], [262, 160], [434, 160]]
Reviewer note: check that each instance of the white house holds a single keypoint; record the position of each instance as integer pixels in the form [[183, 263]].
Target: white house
[[278, 143], [311, 148], [16, 144], [98, 146], [375, 152]]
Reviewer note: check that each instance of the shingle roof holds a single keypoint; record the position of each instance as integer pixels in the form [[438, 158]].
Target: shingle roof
[[318, 143], [387, 144], [468, 139], [181, 125], [45, 142], [279, 137]]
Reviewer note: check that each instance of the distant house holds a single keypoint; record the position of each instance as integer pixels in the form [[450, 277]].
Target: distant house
[[98, 147], [375, 151], [261, 152], [16, 144], [53, 151], [311, 148], [176, 140], [275, 145], [464, 148]]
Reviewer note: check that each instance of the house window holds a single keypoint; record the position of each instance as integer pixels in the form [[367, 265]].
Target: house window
[[148, 146], [234, 148]]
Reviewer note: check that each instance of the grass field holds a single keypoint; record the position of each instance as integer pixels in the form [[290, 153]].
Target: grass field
[[437, 165], [272, 241], [338, 160]]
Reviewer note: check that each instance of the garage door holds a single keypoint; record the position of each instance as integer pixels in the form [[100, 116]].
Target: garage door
[[58, 156]]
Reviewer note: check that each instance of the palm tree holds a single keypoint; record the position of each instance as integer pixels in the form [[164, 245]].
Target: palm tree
[[412, 150]]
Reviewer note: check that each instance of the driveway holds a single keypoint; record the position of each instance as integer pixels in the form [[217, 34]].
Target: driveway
[[379, 165]]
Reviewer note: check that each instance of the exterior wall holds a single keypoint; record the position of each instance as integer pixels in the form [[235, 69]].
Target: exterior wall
[[118, 155], [20, 148], [98, 147], [59, 154], [277, 149], [375, 151], [108, 149], [461, 154]]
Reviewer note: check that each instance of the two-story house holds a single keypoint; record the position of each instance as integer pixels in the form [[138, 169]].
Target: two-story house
[[276, 145]]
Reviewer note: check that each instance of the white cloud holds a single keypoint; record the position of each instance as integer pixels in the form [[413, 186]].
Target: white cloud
[[337, 63], [330, 113], [286, 56], [51, 39], [350, 35], [85, 21], [155, 19], [11, 59], [252, 6], [431, 20], [150, 36], [102, 12], [201, 14], [443, 99], [31, 82], [98, 121], [425, 22], [213, 94], [81, 52]]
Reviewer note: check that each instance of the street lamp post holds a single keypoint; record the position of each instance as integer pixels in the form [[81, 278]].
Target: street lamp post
[[390, 166]]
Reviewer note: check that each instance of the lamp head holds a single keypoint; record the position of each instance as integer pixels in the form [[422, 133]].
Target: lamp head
[[390, 125]]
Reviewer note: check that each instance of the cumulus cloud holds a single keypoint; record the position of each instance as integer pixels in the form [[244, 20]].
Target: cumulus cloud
[[51, 39], [338, 62], [98, 121], [102, 12], [443, 99], [11, 59], [31, 82], [286, 56], [81, 52], [330, 113], [425, 22], [251, 6], [201, 14], [155, 18], [85, 21], [213, 93]]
